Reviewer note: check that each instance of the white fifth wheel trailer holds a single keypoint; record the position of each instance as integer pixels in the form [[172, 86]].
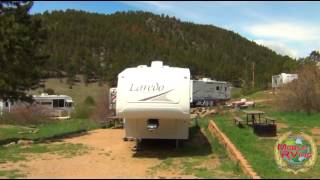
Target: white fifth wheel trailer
[[154, 101], [207, 92], [283, 78]]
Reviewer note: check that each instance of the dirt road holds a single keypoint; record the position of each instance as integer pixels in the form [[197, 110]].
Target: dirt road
[[109, 157]]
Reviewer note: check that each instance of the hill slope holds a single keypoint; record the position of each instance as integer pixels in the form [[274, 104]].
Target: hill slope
[[103, 45]]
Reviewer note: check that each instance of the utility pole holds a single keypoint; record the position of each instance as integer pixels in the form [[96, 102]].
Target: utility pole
[[253, 71]]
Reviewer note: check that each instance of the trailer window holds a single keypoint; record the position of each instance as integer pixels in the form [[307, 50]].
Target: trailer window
[[46, 103], [217, 88], [69, 104], [225, 88], [58, 103]]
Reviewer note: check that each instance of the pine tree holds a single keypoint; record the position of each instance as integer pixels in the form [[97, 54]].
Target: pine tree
[[21, 55]]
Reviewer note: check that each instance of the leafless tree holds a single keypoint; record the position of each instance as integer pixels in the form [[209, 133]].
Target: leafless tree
[[101, 108], [302, 94]]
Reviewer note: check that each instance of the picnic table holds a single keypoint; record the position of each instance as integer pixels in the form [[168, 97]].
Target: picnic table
[[268, 119], [112, 121], [269, 128], [253, 115], [238, 121]]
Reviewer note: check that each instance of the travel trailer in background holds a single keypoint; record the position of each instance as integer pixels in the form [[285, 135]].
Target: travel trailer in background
[[283, 78], [154, 101], [207, 92], [54, 106]]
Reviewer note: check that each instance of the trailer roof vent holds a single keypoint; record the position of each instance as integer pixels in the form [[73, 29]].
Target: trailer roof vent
[[142, 66], [206, 79]]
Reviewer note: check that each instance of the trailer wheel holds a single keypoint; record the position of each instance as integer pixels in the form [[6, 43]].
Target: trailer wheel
[[206, 103], [136, 148], [211, 103], [177, 143]]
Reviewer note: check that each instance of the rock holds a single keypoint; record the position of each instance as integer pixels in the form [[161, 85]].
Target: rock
[[25, 132], [10, 144], [25, 142], [32, 131], [35, 131], [213, 111]]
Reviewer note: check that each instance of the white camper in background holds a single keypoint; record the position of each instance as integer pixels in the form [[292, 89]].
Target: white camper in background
[[5, 106], [55, 106], [207, 92], [1, 107], [283, 78], [154, 101]]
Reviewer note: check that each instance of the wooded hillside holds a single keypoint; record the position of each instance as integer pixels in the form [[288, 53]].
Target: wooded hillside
[[100, 46]]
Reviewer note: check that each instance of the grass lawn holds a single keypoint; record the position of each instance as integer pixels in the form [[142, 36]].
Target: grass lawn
[[258, 95], [259, 151], [47, 130], [201, 156], [236, 93], [17, 153], [10, 131], [11, 174], [297, 121]]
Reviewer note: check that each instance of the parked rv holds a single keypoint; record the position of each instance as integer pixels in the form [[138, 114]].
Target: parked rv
[[283, 78], [55, 106], [207, 92], [154, 101]]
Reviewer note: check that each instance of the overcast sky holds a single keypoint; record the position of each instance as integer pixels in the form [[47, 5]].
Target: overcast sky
[[289, 28]]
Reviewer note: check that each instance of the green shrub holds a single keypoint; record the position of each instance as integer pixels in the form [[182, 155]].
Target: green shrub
[[236, 93], [89, 101], [49, 91], [82, 111]]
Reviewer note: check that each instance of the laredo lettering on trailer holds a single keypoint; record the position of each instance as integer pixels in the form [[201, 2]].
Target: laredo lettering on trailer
[[147, 88]]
